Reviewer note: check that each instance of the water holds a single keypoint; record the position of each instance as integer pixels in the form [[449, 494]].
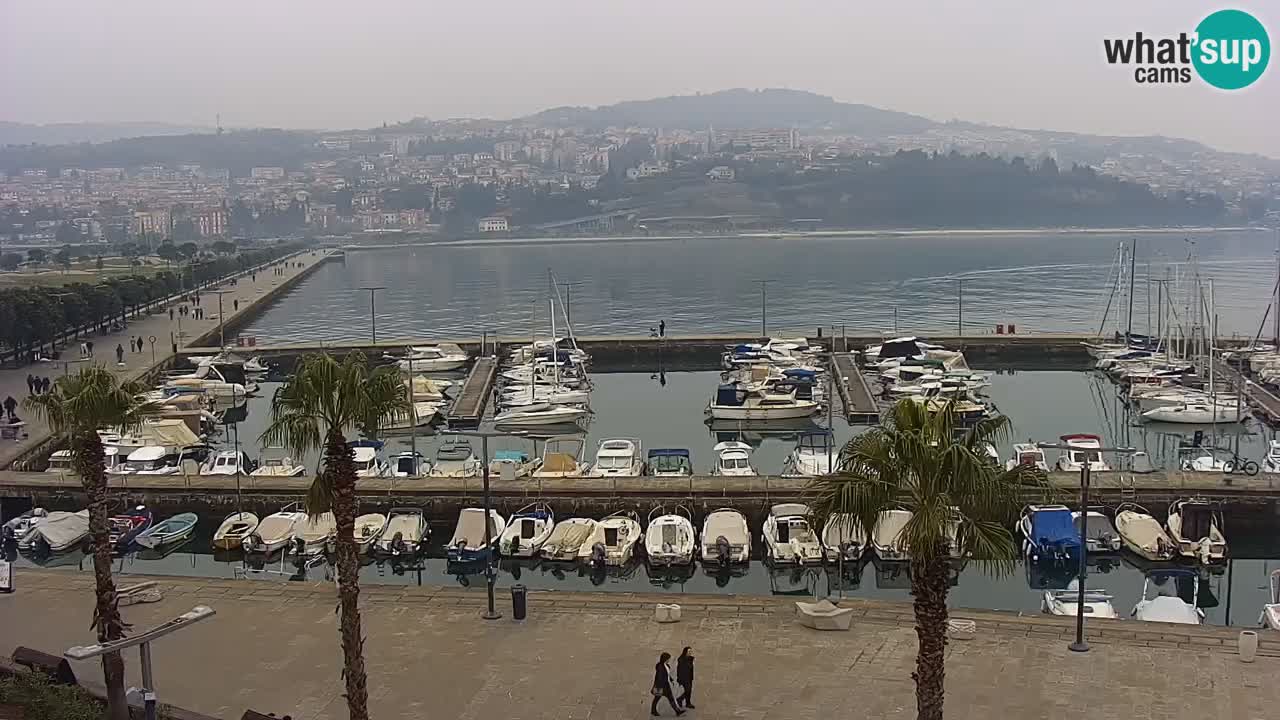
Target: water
[[665, 409], [1039, 281]]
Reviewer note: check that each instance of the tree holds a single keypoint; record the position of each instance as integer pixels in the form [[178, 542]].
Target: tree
[[312, 411], [68, 233], [37, 256], [224, 247], [168, 252], [188, 250], [963, 505], [10, 261], [63, 257], [77, 406]]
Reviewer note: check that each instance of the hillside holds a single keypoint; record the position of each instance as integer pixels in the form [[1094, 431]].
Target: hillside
[[14, 133]]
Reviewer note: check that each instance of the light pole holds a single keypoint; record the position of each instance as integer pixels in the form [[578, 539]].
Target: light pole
[[222, 322], [764, 307], [373, 318], [489, 572], [568, 307], [1080, 645]]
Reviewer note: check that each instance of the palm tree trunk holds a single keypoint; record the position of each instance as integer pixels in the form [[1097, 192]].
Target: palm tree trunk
[[338, 461], [929, 580], [91, 464]]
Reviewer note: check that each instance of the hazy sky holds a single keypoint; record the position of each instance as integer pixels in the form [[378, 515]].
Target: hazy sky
[[323, 63]]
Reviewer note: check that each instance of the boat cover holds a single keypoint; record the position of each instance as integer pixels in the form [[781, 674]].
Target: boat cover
[[1053, 527], [727, 395]]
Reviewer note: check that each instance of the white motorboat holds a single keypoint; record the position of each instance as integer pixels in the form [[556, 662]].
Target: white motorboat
[[1165, 604], [669, 462], [670, 538], [1196, 529], [61, 461], [425, 389], [1199, 413], [788, 537], [733, 459], [527, 530], [815, 454], [233, 530], [617, 457], [228, 462], [275, 463], [1027, 454], [726, 538], [1100, 535], [56, 532], [275, 531], [315, 534], [468, 542], [150, 460], [456, 459], [1143, 535], [1271, 463], [433, 358], [613, 541], [516, 462], [540, 414], [888, 540], [17, 527], [1271, 610], [409, 464], [368, 461], [1097, 603], [405, 534], [221, 380], [368, 528], [420, 413], [526, 395], [1082, 448], [561, 457], [1153, 396], [567, 540], [733, 401], [843, 538]]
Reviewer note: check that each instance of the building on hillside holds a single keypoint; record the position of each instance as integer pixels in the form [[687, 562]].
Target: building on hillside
[[150, 222], [497, 223], [507, 150], [211, 222], [267, 173]]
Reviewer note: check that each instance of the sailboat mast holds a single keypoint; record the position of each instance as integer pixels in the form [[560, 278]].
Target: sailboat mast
[[1277, 300], [1133, 257], [1213, 333], [555, 346]]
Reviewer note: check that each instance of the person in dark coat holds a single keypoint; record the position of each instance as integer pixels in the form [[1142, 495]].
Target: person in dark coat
[[44, 386], [684, 676], [119, 353], [31, 384], [10, 405], [662, 685]]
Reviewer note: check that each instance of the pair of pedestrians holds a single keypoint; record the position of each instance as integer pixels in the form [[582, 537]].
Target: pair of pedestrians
[[663, 681]]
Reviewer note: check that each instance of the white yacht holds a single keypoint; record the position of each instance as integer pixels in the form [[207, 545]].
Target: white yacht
[[670, 538], [1100, 535], [1097, 603], [887, 540], [726, 538], [843, 538], [736, 402], [613, 541], [561, 457], [1082, 448], [368, 461], [426, 389], [1165, 604], [733, 459], [469, 535], [315, 534], [275, 463], [788, 538], [1143, 535], [669, 462], [433, 358], [1027, 454], [1199, 413], [1195, 528], [617, 457], [56, 532], [228, 462], [368, 528], [275, 531], [421, 413], [405, 534], [567, 540], [525, 395], [815, 454], [540, 414], [519, 462], [456, 459], [218, 380], [527, 530], [149, 460]]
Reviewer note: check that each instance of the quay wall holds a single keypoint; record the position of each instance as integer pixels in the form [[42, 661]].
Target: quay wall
[[248, 312]]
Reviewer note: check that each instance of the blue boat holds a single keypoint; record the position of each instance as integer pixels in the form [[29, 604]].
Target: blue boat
[[669, 462], [127, 526], [1049, 534]]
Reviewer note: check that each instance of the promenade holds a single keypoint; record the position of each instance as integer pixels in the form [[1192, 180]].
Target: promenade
[[274, 647], [247, 291]]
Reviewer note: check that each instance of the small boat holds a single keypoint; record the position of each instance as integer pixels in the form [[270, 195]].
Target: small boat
[[406, 532], [276, 464], [233, 530], [127, 526], [613, 541], [169, 531], [368, 528], [733, 459], [842, 538], [1198, 413], [314, 534], [670, 538], [421, 413], [519, 462], [409, 463], [561, 458], [1166, 605], [62, 461], [468, 542], [734, 401], [1271, 463], [455, 459], [1100, 534], [228, 462], [1027, 454], [617, 457], [1143, 535], [669, 462], [788, 538], [540, 414], [887, 540], [433, 358], [56, 532], [815, 454], [1271, 611], [1082, 448], [526, 395], [1196, 529], [368, 462], [527, 530], [1048, 534], [275, 531], [216, 379], [726, 538], [423, 388], [567, 539], [1097, 603], [149, 460], [17, 527]]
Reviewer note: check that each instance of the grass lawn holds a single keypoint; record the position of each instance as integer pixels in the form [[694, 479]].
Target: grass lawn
[[87, 272]]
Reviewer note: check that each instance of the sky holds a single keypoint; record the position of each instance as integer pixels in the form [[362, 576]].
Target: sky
[[329, 64]]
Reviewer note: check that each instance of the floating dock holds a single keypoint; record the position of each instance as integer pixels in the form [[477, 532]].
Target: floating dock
[[469, 407], [1257, 396], [860, 406]]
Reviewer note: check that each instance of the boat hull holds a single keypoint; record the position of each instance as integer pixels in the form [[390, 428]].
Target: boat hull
[[724, 412]]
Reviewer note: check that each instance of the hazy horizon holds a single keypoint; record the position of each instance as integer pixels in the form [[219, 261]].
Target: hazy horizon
[[324, 65]]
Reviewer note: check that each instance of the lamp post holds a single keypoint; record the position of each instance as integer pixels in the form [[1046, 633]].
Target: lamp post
[[490, 573], [568, 307], [373, 318], [764, 307], [222, 321], [1080, 645]]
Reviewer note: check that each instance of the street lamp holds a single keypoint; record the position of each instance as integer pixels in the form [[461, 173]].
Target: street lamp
[[764, 307], [222, 323], [373, 319], [489, 572], [1080, 645], [568, 308]]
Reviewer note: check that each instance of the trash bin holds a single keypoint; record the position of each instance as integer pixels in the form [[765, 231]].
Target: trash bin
[[519, 596]]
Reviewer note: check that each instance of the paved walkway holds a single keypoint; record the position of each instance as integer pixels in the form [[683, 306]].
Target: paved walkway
[[13, 382], [274, 647]]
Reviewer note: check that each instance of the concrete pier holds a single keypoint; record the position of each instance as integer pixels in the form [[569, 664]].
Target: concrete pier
[[860, 406], [474, 396]]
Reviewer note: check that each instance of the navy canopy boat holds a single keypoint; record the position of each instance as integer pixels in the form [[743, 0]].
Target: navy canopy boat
[[1049, 534]]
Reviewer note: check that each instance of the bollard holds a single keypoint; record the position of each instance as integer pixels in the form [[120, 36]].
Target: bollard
[[519, 601]]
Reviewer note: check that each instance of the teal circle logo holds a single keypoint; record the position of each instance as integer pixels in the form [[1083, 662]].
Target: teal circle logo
[[1232, 49]]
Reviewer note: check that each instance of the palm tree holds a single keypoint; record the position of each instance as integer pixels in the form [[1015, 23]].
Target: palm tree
[[77, 406], [928, 464], [311, 412]]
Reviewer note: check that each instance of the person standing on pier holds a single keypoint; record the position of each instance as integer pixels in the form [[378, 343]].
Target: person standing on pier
[[662, 328], [89, 344], [31, 384], [119, 354], [9, 406], [662, 685], [44, 386], [684, 676]]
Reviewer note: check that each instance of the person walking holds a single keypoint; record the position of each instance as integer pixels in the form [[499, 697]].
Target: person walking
[[235, 305], [84, 350], [662, 685], [170, 314], [44, 386], [119, 354], [9, 406], [684, 676], [31, 384], [662, 328], [89, 344]]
